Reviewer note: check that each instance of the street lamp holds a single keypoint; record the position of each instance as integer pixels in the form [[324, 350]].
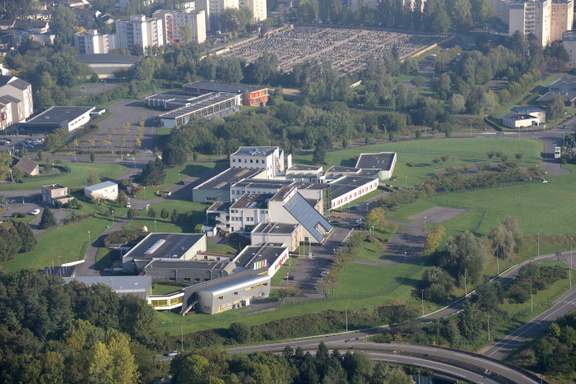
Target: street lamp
[[155, 229], [422, 303], [88, 238]]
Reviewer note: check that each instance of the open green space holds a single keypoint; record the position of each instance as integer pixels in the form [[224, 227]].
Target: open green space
[[538, 207], [460, 152], [78, 175], [59, 246], [173, 176]]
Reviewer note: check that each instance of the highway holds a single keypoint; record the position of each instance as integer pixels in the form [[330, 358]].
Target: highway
[[462, 365]]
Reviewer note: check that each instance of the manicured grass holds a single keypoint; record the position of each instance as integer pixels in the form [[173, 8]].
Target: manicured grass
[[221, 248], [59, 246], [158, 224], [162, 289], [173, 176], [467, 151], [78, 176], [537, 206]]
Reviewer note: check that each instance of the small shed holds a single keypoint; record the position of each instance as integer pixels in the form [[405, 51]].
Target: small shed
[[107, 190]]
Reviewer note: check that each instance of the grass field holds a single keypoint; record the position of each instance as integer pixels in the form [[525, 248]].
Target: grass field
[[78, 176], [173, 176], [467, 151], [59, 246]]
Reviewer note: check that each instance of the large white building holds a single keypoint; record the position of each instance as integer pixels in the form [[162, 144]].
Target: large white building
[[546, 19], [139, 31], [258, 8], [16, 100], [269, 159], [175, 21], [531, 17], [91, 42]]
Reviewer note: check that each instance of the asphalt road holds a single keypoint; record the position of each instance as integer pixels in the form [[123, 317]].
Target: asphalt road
[[468, 366]]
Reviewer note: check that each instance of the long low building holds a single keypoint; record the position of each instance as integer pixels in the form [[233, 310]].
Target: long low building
[[51, 119], [251, 96], [203, 107]]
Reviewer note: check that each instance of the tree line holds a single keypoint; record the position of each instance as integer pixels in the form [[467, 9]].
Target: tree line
[[290, 367], [72, 333]]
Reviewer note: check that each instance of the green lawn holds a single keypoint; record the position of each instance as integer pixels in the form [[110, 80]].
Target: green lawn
[[421, 152], [78, 176], [537, 206], [59, 246], [173, 176]]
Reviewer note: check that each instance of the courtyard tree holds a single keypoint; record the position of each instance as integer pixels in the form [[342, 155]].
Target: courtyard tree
[[47, 220], [555, 108], [93, 178], [434, 239], [377, 218]]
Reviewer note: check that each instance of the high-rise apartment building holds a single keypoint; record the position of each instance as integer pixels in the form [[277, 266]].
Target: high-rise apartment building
[[139, 30], [531, 16], [569, 43], [546, 19], [90, 41], [175, 23], [258, 8], [562, 18]]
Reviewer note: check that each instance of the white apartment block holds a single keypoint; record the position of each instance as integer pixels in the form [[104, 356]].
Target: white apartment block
[[15, 94], [532, 16], [139, 31], [91, 42], [546, 19], [569, 43], [268, 159], [174, 21], [562, 18], [258, 8], [217, 6]]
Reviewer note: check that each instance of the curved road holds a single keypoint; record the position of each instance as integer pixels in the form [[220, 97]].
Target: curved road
[[468, 366]]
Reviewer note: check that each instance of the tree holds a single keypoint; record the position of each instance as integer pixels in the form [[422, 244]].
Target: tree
[[438, 284], [555, 107], [164, 213], [132, 213], [376, 218], [175, 216], [26, 236], [62, 24], [122, 199], [93, 178], [467, 256], [153, 173], [151, 213], [5, 163], [47, 220], [502, 241], [434, 239]]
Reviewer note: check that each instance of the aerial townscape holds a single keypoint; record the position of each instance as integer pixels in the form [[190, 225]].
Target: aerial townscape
[[287, 191]]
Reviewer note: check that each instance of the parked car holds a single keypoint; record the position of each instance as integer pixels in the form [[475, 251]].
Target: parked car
[[35, 212], [172, 354], [129, 158], [181, 182], [128, 205], [324, 273], [163, 193]]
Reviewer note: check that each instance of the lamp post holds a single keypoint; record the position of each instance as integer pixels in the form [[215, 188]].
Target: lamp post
[[538, 243], [570, 270], [155, 229], [405, 254], [466, 283], [88, 238], [422, 303]]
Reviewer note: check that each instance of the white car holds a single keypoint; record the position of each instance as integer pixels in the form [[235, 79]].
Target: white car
[[35, 212], [130, 158], [324, 273], [128, 205], [172, 354]]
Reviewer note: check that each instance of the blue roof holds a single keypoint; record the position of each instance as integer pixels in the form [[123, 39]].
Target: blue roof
[[306, 215]]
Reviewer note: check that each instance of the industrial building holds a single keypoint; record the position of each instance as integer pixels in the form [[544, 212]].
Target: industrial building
[[107, 190]]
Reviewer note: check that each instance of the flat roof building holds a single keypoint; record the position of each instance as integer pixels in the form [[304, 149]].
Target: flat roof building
[[53, 118], [140, 286], [202, 107], [106, 65], [266, 158], [218, 187], [250, 96], [384, 161]]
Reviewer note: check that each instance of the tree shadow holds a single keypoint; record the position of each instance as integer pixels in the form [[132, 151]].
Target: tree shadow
[[416, 284], [351, 162]]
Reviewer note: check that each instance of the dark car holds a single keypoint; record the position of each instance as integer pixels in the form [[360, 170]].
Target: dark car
[[181, 182]]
